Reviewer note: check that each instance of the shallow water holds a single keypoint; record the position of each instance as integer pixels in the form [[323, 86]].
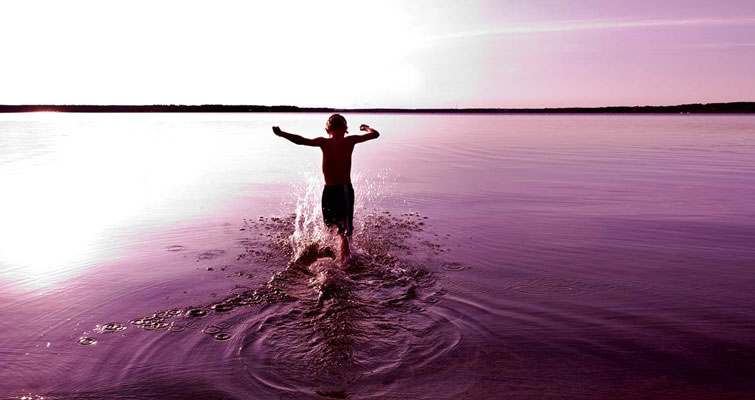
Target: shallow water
[[527, 256]]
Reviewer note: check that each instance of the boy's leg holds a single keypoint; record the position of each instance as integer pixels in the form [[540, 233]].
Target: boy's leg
[[345, 251], [349, 222]]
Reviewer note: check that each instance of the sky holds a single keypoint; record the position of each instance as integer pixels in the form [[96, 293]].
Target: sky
[[387, 53]]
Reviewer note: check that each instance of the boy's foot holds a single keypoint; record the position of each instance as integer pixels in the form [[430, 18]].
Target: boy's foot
[[344, 259]]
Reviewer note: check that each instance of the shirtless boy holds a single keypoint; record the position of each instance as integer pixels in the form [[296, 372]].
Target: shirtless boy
[[338, 194]]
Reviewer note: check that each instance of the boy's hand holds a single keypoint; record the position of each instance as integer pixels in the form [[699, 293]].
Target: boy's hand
[[277, 130], [364, 127]]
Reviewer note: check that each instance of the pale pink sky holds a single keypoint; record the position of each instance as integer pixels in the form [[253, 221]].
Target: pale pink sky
[[390, 53]]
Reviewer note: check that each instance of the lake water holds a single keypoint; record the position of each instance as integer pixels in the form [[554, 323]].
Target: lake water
[[512, 256]]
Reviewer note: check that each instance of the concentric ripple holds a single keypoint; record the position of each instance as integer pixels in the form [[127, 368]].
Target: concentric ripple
[[345, 343], [454, 266]]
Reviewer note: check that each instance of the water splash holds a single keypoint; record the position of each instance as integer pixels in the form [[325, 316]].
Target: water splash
[[361, 323], [308, 225], [309, 229]]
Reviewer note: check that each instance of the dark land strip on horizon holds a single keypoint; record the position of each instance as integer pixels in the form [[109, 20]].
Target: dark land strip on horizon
[[697, 108]]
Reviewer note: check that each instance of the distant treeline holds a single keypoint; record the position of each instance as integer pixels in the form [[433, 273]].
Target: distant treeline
[[710, 108]]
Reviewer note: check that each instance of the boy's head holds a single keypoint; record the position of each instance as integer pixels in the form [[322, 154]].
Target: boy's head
[[336, 125]]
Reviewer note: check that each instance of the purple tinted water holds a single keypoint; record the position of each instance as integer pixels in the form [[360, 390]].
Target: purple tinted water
[[530, 256]]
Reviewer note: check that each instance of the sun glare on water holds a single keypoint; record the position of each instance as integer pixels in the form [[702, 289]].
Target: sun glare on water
[[64, 208]]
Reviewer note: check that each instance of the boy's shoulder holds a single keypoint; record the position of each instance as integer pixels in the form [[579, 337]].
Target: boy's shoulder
[[320, 141]]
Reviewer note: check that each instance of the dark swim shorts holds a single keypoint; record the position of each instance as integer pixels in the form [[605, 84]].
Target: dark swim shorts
[[338, 207]]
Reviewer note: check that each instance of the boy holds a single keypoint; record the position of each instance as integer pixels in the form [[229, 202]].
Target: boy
[[338, 194]]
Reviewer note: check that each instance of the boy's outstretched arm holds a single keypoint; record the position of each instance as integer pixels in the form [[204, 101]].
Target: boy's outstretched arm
[[297, 139], [371, 134]]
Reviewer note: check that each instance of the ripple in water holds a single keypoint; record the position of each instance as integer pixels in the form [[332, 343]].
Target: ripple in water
[[212, 330], [109, 327], [327, 328], [211, 254], [176, 327], [316, 328], [454, 266], [87, 341], [568, 286]]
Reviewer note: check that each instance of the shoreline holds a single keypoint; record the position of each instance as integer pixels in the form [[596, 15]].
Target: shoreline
[[697, 108]]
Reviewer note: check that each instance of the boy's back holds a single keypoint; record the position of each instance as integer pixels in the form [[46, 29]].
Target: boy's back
[[336, 159]]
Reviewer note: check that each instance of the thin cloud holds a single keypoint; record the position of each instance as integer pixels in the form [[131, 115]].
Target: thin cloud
[[602, 25], [717, 45]]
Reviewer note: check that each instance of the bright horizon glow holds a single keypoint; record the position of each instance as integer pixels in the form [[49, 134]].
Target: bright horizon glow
[[482, 53]]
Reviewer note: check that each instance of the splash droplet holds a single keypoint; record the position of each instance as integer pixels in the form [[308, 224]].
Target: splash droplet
[[110, 327], [196, 312], [87, 341], [222, 307]]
